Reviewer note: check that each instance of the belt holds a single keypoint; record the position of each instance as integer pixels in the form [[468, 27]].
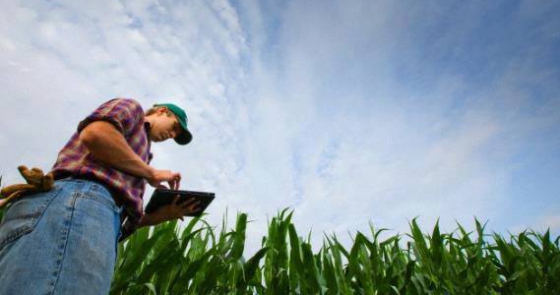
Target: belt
[[92, 179]]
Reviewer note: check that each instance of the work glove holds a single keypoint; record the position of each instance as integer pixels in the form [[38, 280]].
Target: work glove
[[37, 181]]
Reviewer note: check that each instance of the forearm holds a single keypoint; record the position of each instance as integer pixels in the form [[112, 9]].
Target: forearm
[[150, 220], [109, 146]]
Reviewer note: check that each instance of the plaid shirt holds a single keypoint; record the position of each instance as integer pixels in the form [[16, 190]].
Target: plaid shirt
[[75, 160]]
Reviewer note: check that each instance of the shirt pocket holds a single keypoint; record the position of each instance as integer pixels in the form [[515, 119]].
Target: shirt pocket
[[21, 217]]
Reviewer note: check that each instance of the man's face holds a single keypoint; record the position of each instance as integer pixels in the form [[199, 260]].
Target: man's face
[[164, 126]]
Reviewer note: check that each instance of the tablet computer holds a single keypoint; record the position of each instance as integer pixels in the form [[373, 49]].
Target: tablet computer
[[162, 197]]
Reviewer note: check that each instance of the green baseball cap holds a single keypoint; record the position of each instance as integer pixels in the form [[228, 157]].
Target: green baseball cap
[[185, 136]]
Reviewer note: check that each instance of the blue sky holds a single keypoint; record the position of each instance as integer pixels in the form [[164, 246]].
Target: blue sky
[[349, 112]]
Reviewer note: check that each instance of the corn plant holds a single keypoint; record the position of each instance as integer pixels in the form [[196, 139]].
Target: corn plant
[[198, 260]]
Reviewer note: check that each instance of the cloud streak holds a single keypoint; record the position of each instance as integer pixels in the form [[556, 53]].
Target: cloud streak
[[347, 112]]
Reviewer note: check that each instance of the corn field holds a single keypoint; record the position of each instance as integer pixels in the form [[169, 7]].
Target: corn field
[[198, 260]]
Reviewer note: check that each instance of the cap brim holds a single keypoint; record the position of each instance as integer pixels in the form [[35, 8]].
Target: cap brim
[[184, 138]]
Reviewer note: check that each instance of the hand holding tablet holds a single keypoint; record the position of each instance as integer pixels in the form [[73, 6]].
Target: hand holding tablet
[[162, 197]]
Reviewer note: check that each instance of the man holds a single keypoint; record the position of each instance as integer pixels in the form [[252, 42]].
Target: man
[[64, 241]]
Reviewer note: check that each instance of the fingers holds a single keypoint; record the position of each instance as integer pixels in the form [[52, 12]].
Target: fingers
[[171, 178], [188, 202], [191, 206], [177, 180], [195, 208], [174, 181], [171, 184], [186, 208]]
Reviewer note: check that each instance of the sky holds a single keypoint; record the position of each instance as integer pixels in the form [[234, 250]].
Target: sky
[[349, 113]]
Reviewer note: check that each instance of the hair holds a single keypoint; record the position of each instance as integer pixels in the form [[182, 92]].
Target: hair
[[154, 109]]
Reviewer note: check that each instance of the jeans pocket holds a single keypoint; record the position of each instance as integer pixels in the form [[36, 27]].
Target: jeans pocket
[[22, 216]]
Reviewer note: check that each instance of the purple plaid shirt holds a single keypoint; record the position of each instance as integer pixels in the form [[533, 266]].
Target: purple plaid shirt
[[75, 160]]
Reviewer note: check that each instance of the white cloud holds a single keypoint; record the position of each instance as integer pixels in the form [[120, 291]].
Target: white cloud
[[337, 110]]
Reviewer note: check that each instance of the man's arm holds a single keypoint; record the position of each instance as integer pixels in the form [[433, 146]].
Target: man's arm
[[109, 146]]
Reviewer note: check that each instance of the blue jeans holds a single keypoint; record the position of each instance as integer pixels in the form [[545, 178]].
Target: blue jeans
[[60, 242]]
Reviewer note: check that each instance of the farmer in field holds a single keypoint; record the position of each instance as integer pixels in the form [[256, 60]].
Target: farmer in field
[[64, 241]]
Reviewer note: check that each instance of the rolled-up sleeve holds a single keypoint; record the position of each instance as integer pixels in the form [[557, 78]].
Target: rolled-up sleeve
[[123, 113]]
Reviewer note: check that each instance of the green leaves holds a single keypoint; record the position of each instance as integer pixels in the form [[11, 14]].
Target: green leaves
[[197, 260]]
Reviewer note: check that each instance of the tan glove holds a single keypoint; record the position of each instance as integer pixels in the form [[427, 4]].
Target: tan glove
[[36, 182]]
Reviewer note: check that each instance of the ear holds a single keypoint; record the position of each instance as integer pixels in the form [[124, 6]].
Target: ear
[[161, 110]]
